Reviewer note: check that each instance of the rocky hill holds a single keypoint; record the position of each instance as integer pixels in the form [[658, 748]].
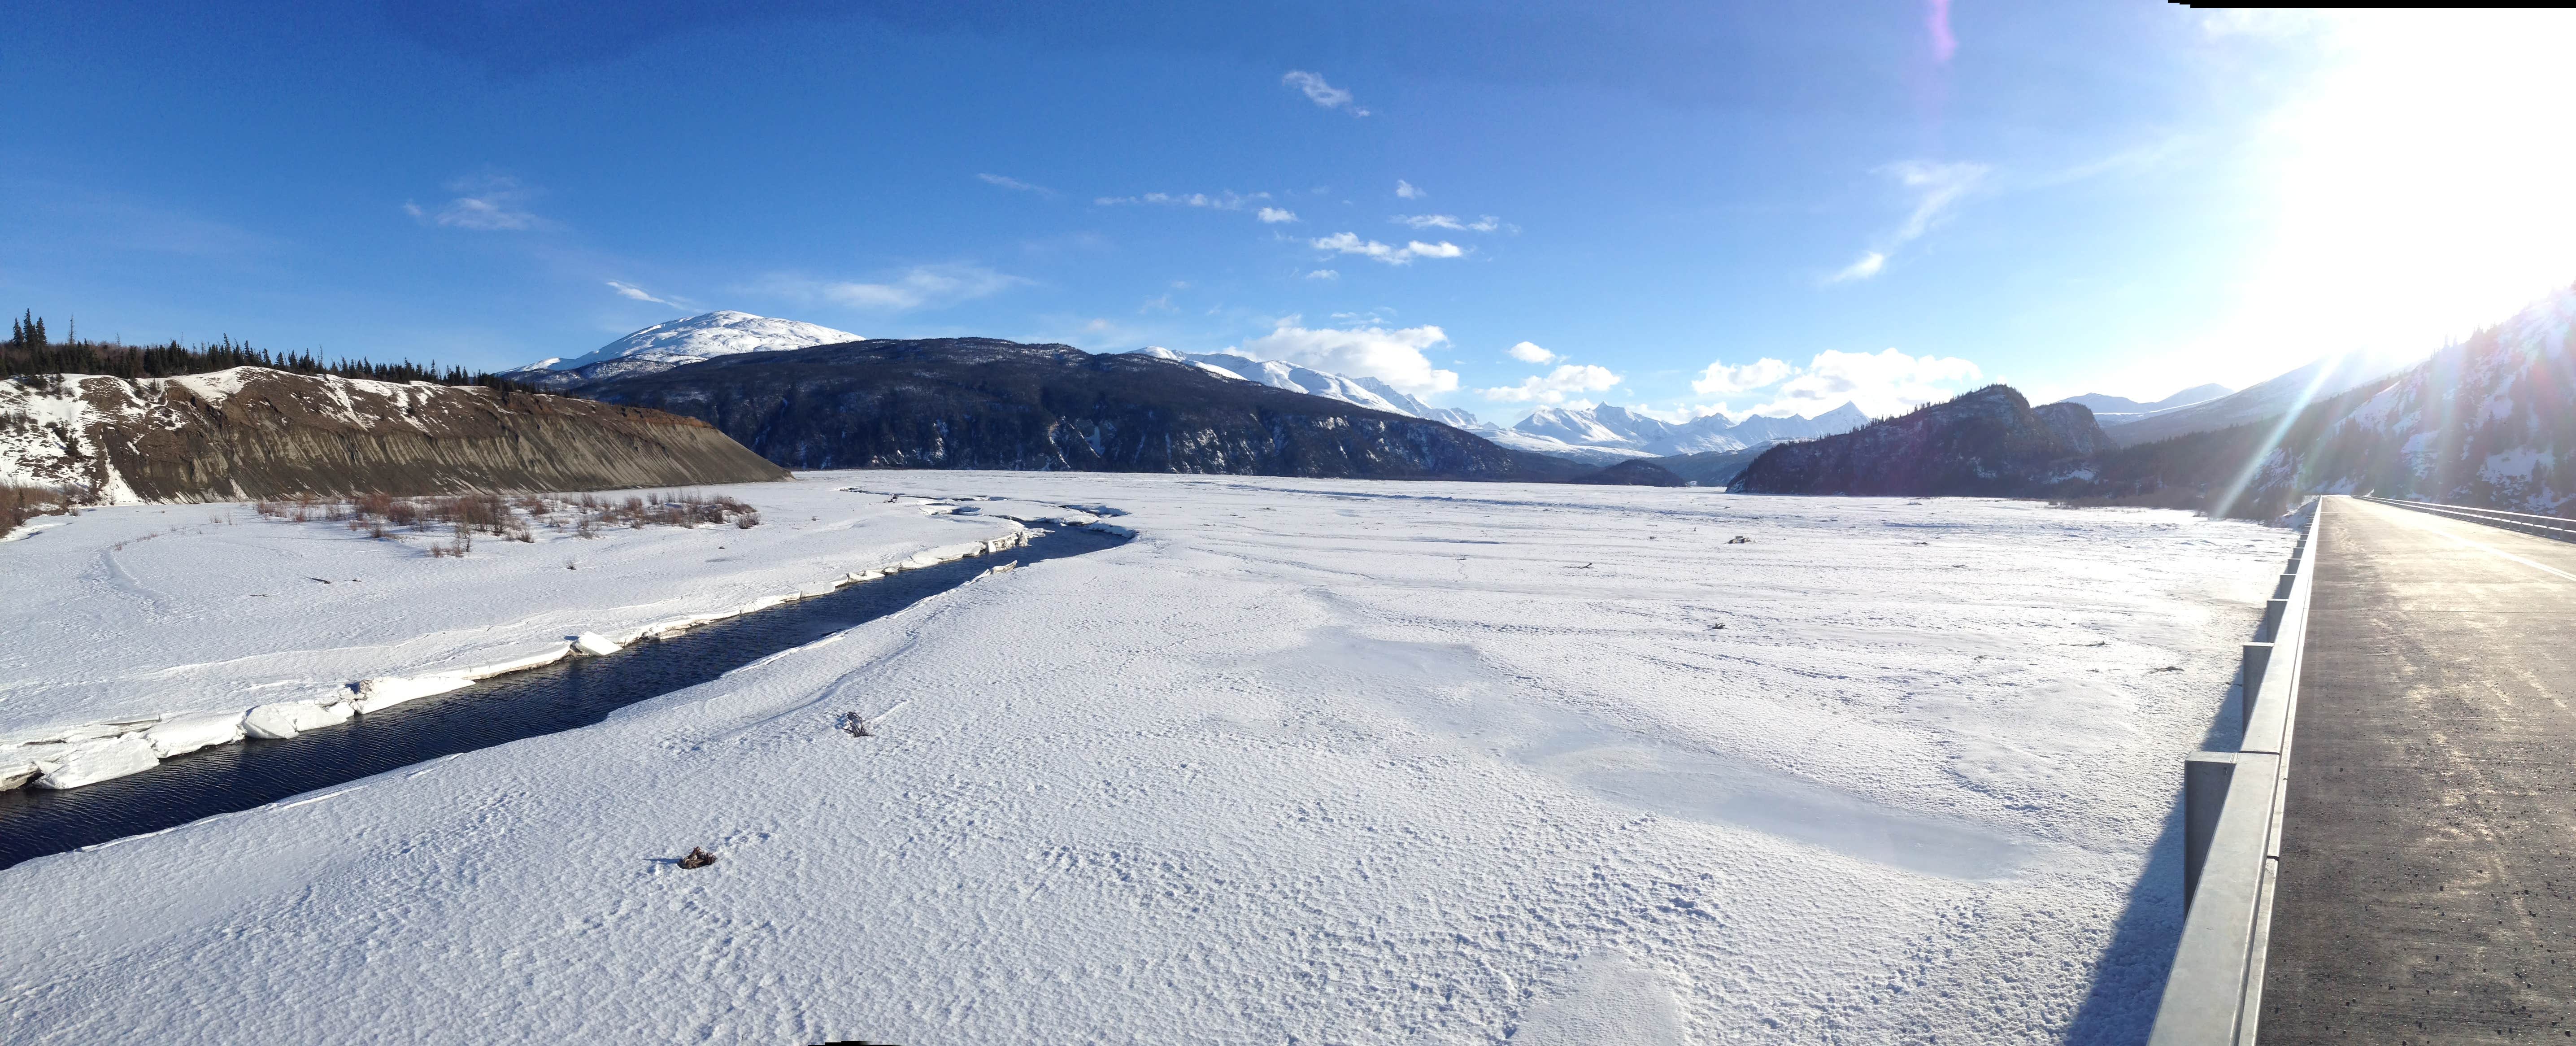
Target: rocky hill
[[1989, 442], [251, 432], [986, 403]]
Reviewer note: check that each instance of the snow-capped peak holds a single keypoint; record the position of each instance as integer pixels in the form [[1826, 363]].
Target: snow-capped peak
[[663, 346]]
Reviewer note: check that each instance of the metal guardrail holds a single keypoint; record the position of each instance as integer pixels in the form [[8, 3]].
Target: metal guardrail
[[2232, 805], [2542, 526]]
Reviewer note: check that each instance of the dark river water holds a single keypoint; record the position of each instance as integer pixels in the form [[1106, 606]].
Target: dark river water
[[568, 694]]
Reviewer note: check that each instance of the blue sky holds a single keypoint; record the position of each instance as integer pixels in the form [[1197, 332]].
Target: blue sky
[[1681, 206]]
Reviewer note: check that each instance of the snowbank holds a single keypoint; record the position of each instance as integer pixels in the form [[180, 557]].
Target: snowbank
[[273, 607], [182, 734], [89, 762]]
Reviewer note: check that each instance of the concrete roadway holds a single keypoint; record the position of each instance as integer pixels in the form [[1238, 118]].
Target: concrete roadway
[[2428, 865]]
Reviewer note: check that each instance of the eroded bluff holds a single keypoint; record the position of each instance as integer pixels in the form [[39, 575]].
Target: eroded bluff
[[251, 432]]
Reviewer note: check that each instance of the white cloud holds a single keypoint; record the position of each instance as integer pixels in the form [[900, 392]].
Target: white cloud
[[1720, 379], [1936, 188], [1868, 265], [1487, 223], [1324, 274], [1392, 355], [1016, 185], [920, 287], [1528, 352], [1351, 243], [1322, 94], [628, 290], [1407, 190], [1881, 383], [486, 203], [1275, 215], [1557, 387]]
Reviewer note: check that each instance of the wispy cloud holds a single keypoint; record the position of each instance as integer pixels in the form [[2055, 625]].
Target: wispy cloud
[[1557, 386], [485, 203], [1322, 94], [1866, 266], [629, 290], [1324, 274], [1486, 223], [1224, 201], [1353, 243], [1936, 188], [1275, 215], [1016, 185], [1408, 191], [1529, 352], [919, 287]]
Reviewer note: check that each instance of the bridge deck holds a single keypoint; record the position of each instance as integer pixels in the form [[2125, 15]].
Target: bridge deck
[[2428, 867]]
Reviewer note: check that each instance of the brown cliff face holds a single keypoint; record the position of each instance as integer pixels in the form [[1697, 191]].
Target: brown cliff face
[[256, 433]]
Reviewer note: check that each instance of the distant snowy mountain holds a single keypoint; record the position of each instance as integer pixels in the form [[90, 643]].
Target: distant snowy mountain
[[663, 346], [1594, 436], [2108, 407], [2323, 379], [1619, 429], [1358, 392]]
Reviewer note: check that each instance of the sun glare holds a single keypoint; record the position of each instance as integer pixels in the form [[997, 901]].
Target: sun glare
[[2420, 186]]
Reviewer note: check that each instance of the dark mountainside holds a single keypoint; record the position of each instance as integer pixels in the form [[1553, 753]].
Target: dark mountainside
[[257, 433], [982, 403], [1636, 472], [1985, 443], [1711, 468]]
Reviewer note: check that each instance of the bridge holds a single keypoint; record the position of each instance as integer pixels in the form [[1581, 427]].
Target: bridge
[[2391, 857]]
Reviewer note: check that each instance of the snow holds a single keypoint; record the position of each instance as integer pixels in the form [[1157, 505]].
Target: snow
[[663, 346], [135, 612], [182, 734], [376, 695], [1330, 761], [89, 762]]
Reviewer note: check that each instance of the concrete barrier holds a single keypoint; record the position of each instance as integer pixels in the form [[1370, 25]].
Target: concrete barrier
[[2258, 657], [2232, 815]]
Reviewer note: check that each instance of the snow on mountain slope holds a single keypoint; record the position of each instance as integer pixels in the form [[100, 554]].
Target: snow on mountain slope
[[1413, 405], [2489, 422], [663, 346], [1618, 428], [1289, 376], [1550, 445]]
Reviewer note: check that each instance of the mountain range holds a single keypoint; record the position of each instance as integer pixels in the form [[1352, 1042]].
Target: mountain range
[[992, 404], [2108, 408]]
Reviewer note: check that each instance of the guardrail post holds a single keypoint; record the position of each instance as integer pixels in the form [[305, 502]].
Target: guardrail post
[[2270, 629], [2281, 589], [2258, 658], [2205, 778]]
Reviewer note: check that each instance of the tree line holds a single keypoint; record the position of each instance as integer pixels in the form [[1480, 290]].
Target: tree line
[[30, 351]]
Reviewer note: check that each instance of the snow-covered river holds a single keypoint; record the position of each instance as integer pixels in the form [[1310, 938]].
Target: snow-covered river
[[562, 696]]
